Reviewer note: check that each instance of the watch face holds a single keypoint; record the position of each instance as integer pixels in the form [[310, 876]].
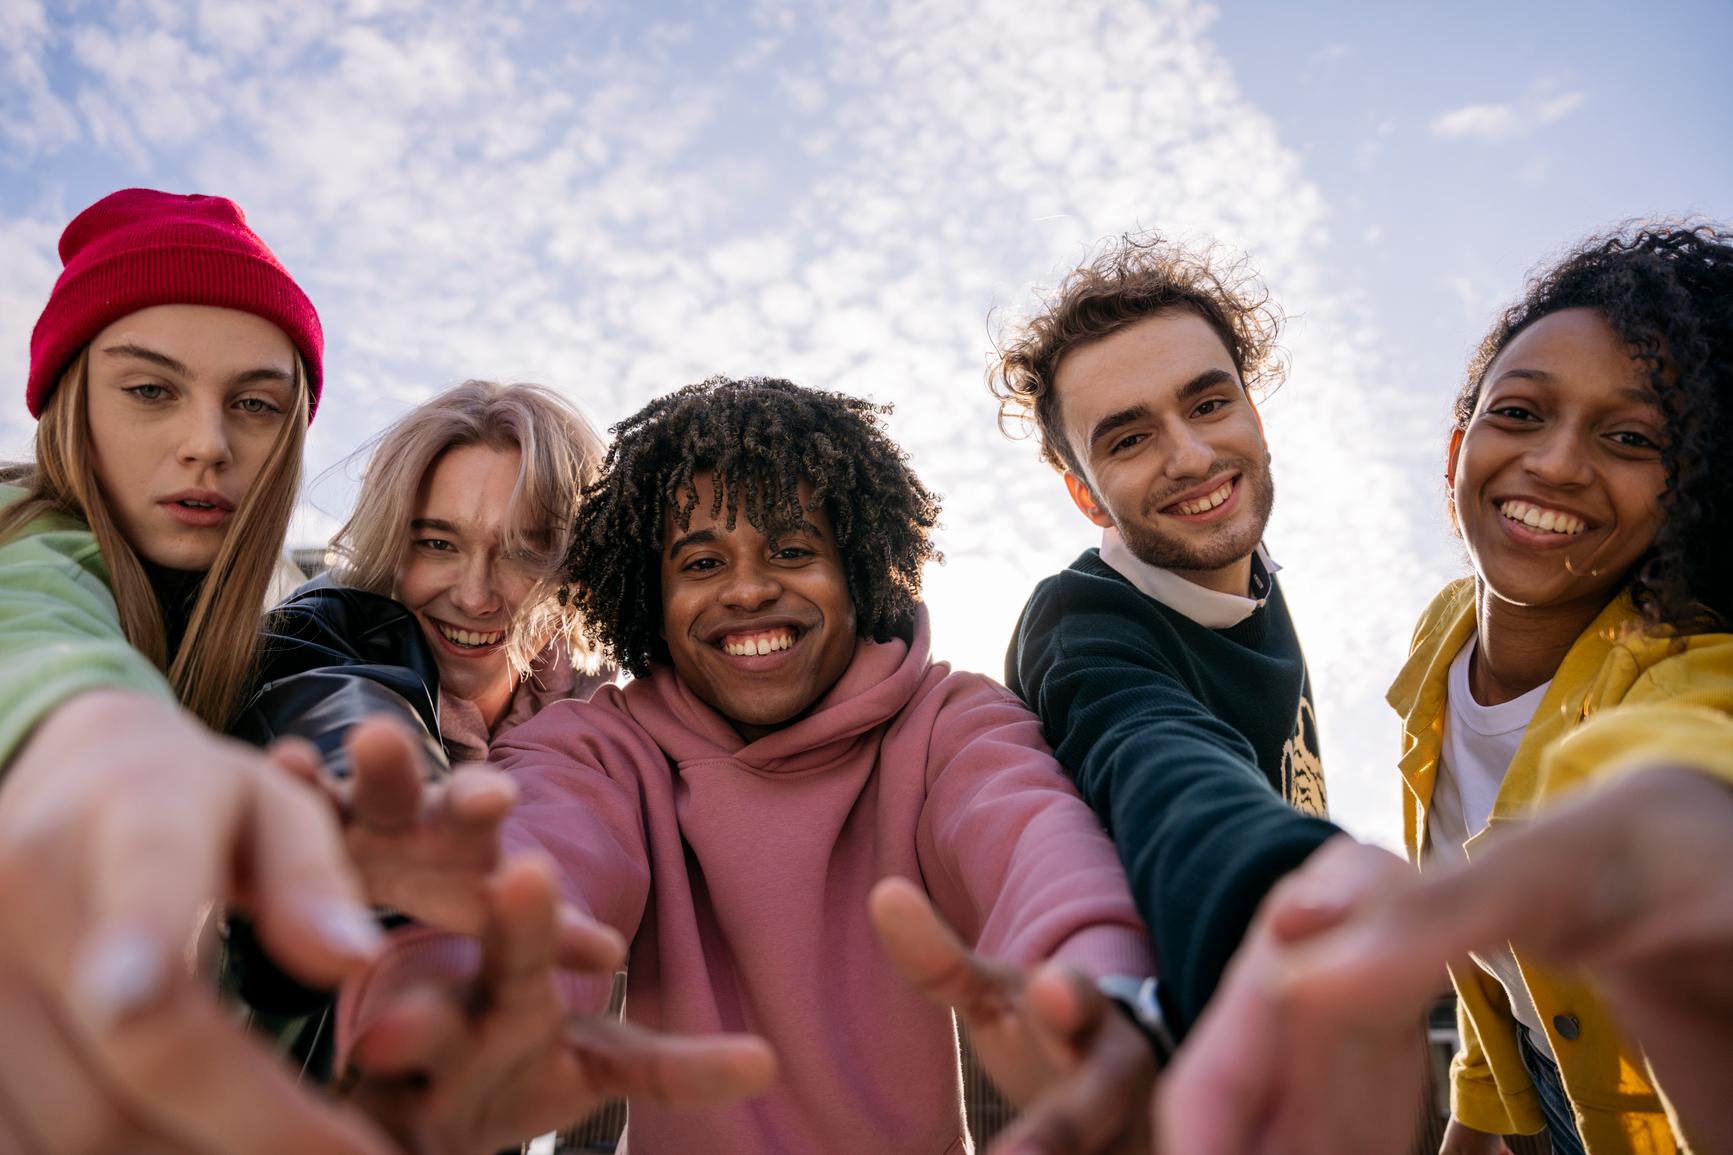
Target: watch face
[[1140, 1000]]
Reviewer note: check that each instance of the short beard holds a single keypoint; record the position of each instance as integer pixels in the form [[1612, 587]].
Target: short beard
[[1220, 548]]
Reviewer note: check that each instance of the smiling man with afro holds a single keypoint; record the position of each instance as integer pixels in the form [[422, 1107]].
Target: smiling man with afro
[[789, 801]]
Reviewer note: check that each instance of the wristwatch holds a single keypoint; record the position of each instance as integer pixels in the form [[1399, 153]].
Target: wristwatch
[[1140, 999]]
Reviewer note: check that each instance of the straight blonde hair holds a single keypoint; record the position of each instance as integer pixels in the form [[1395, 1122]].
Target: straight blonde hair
[[560, 453], [214, 666]]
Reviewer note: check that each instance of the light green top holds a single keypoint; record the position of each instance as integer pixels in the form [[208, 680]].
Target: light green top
[[60, 630]]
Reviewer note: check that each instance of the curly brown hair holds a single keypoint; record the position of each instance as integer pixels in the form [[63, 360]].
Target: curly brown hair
[[761, 438], [1667, 291], [1130, 278]]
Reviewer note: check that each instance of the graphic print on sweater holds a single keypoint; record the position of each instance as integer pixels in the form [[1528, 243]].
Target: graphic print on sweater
[[1302, 768]]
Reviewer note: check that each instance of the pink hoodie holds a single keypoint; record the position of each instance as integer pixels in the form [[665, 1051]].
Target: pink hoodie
[[740, 872], [552, 678]]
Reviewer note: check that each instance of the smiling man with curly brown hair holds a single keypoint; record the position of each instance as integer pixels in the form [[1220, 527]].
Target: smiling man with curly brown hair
[[1164, 664]]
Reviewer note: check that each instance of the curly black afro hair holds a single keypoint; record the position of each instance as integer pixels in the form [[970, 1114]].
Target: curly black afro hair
[[1667, 291], [761, 438]]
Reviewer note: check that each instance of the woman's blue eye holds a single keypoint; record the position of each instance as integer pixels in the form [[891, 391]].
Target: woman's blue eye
[[257, 405], [148, 392]]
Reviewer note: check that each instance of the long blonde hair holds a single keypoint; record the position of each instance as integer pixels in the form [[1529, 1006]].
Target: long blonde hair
[[560, 454], [214, 665]]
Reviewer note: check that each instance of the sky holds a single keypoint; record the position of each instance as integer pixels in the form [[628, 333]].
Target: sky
[[617, 199]]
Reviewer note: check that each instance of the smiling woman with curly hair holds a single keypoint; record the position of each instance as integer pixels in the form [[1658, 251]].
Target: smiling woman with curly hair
[[1589, 644], [1668, 295]]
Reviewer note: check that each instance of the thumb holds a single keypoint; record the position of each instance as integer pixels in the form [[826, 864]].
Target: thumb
[[924, 950], [1066, 1003]]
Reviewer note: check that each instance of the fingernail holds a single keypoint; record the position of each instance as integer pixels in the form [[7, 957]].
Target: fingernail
[[118, 972], [347, 929]]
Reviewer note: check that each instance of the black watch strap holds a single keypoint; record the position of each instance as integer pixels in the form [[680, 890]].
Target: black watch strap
[[1140, 999]]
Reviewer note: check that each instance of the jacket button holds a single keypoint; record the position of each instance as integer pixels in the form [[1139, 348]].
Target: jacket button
[[1567, 1026]]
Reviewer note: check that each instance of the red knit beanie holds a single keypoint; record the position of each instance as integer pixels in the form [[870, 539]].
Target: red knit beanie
[[139, 247]]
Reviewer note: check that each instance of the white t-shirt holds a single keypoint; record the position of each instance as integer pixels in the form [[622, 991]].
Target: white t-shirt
[[1479, 743]]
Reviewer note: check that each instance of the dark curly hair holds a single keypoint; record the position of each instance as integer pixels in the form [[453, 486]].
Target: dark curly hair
[[1133, 277], [761, 438], [1667, 291]]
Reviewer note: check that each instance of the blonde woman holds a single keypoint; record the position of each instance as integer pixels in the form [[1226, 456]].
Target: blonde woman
[[173, 370], [444, 606], [443, 610], [466, 509]]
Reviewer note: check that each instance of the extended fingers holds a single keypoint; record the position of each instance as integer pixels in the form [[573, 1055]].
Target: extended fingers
[[307, 905], [132, 854], [928, 953], [1580, 885], [184, 1066], [298, 757], [582, 944], [1340, 876], [1103, 1097], [1068, 1004], [623, 1060], [387, 777], [1095, 1108], [478, 796], [150, 863], [50, 1101], [1216, 1097], [518, 945], [418, 1030], [1390, 955]]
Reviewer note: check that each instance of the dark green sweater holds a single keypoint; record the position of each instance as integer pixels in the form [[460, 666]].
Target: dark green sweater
[[1196, 746]]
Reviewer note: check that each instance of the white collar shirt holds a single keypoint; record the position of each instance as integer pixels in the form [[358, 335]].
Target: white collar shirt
[[1209, 608]]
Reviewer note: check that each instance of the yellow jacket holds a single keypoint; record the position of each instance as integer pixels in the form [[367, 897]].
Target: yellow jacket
[[1674, 705]]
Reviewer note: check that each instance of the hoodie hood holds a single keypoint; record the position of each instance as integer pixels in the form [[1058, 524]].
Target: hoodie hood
[[552, 678], [880, 680]]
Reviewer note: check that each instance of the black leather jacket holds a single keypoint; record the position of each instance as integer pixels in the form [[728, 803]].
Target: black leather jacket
[[331, 657]]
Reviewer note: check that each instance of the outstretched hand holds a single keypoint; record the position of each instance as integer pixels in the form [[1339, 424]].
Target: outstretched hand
[[122, 821], [452, 1072], [1052, 1042], [1624, 883], [1264, 1074], [428, 849], [425, 848]]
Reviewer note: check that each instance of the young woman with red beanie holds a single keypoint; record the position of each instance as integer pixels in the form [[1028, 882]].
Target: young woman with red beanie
[[174, 371]]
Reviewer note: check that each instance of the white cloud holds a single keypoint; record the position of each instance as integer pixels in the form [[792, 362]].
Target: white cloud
[[1541, 106], [32, 117], [838, 194], [1486, 121], [28, 266]]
